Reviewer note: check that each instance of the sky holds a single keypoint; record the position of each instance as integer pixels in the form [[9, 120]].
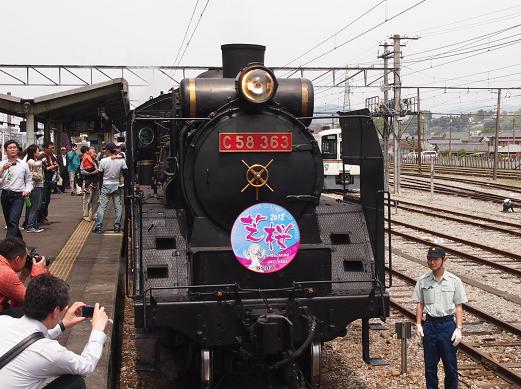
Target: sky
[[295, 33]]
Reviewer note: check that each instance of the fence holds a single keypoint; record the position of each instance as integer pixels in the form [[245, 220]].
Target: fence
[[484, 162]]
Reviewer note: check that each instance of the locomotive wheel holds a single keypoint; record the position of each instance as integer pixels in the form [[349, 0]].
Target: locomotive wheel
[[315, 351], [309, 365], [206, 368]]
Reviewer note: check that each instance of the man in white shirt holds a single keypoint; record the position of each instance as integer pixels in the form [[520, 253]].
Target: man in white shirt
[[16, 183], [111, 167], [46, 311]]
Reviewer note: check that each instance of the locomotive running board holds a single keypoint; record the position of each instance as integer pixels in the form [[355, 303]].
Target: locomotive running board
[[365, 347]]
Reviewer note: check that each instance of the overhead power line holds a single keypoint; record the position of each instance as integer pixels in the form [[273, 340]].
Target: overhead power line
[[362, 33], [336, 33], [477, 38], [470, 49], [194, 30], [437, 29], [186, 33]]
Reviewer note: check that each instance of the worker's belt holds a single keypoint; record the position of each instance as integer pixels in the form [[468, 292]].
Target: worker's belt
[[439, 319]]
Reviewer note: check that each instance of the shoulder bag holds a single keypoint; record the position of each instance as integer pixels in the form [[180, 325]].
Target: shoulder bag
[[18, 348]]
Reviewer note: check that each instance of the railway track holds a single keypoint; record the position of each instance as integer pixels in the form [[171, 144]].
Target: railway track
[[484, 336], [493, 185], [466, 171], [460, 217], [479, 255], [411, 183]]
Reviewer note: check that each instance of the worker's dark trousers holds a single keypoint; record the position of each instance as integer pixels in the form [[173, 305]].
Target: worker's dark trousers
[[436, 345]]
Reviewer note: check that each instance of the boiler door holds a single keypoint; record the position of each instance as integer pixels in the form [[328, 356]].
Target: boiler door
[[222, 184]]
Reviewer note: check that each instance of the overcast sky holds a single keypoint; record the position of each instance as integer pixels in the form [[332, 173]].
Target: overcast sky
[[135, 32]]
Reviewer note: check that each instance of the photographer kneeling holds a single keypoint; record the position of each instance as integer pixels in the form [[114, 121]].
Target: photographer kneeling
[[47, 314], [15, 259]]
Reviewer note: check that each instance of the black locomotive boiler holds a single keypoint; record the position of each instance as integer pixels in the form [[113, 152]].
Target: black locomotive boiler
[[227, 140]]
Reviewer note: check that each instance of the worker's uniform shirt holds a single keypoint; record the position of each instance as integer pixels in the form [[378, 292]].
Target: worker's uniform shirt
[[440, 299]]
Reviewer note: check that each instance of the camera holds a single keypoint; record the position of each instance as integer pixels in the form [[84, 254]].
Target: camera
[[87, 311], [33, 254]]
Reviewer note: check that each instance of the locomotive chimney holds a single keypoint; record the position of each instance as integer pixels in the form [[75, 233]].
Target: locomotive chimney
[[237, 56]]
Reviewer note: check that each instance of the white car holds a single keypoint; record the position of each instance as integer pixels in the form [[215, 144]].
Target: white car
[[429, 155]]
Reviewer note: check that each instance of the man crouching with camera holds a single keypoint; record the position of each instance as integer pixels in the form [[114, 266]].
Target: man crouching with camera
[[29, 355], [15, 259]]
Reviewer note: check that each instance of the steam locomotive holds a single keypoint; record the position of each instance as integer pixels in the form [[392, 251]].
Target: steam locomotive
[[233, 256]]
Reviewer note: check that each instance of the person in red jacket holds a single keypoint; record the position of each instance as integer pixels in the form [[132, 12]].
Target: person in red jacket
[[13, 260]]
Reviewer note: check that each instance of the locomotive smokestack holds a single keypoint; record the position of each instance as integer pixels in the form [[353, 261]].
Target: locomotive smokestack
[[237, 56]]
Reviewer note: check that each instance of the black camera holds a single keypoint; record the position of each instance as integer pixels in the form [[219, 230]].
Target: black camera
[[33, 254]]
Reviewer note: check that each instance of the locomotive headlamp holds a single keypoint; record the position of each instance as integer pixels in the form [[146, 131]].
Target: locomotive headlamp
[[257, 84]]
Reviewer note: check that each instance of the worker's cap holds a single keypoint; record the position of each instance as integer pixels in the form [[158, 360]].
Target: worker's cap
[[111, 146], [436, 252], [506, 201]]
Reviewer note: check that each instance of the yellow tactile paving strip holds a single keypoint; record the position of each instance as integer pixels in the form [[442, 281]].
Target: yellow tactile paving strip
[[63, 263]]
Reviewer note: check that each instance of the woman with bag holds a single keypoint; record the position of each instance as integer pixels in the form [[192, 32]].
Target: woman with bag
[[35, 167]]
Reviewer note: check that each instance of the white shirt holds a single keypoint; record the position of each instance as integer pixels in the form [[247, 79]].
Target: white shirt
[[111, 169], [44, 358], [17, 178], [64, 160]]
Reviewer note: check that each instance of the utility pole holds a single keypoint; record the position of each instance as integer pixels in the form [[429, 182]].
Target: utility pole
[[397, 111], [347, 92], [514, 131], [450, 136], [397, 114], [9, 124], [419, 157], [498, 110], [385, 134]]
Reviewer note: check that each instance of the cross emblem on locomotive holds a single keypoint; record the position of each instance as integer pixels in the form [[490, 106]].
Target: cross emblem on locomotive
[[257, 176]]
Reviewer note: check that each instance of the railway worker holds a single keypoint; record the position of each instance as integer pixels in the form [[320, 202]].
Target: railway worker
[[507, 206], [48, 314], [16, 183], [13, 272], [440, 295]]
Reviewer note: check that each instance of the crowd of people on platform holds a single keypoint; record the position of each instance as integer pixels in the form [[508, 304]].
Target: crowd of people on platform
[[28, 179]]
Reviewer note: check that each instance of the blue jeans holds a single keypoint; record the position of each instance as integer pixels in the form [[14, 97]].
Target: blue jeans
[[46, 199], [33, 211], [12, 205], [109, 191], [436, 345]]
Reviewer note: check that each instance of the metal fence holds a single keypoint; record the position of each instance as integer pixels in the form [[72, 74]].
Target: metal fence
[[485, 162]]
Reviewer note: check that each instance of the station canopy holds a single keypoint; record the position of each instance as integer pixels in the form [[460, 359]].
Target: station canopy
[[107, 100]]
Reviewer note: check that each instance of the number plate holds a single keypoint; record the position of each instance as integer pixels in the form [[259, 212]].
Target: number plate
[[256, 142]]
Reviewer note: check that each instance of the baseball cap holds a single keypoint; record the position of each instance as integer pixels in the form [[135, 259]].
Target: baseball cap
[[111, 146], [435, 252]]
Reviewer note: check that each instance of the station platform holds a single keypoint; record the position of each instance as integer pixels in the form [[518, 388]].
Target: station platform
[[90, 263]]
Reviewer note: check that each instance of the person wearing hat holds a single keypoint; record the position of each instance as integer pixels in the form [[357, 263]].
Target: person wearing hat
[[111, 168], [507, 205], [440, 295]]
